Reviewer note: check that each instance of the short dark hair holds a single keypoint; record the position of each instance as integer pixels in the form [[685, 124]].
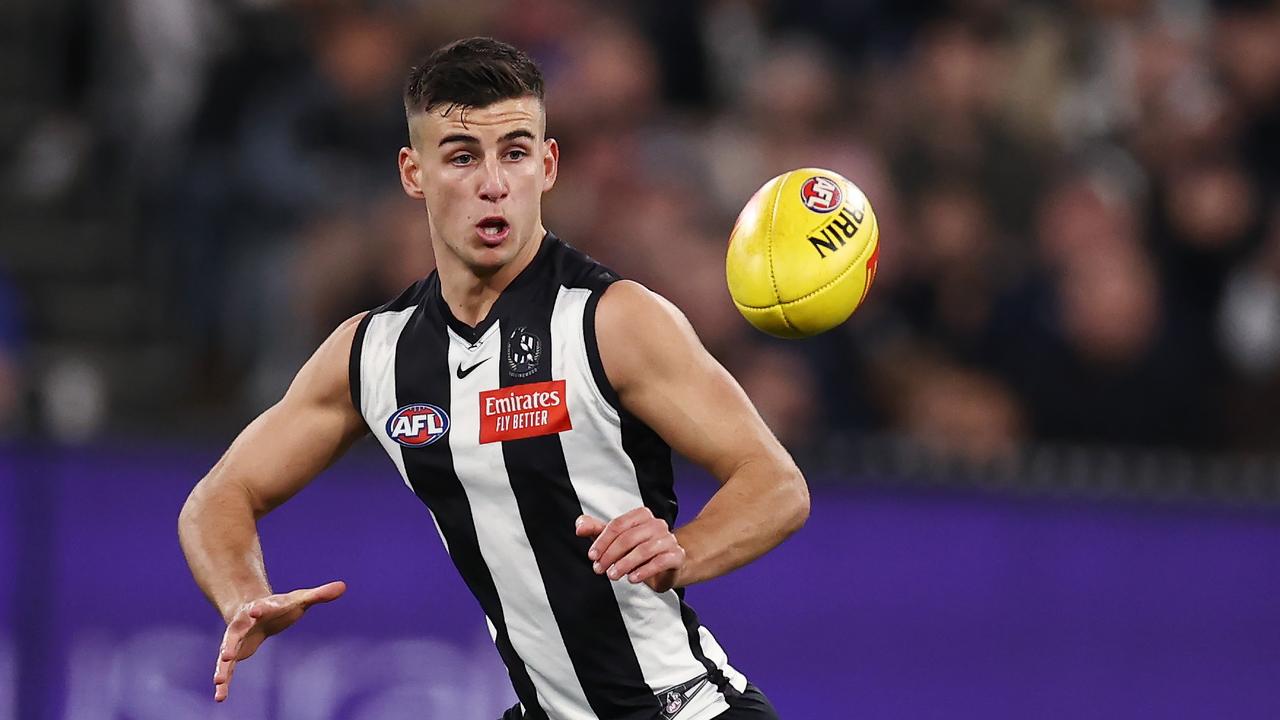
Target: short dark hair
[[471, 73]]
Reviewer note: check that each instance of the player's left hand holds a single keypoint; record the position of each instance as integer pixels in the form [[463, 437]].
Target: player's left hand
[[635, 545]]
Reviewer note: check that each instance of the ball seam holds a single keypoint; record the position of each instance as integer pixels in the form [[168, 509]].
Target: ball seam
[[781, 303], [773, 281]]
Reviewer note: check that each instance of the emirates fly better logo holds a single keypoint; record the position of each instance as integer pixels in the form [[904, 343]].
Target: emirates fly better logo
[[523, 411], [821, 194]]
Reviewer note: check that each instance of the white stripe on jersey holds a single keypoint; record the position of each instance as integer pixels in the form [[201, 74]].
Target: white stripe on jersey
[[604, 478], [500, 533], [378, 378], [716, 654]]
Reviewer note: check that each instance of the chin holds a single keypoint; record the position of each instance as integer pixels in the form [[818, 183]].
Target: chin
[[489, 260]]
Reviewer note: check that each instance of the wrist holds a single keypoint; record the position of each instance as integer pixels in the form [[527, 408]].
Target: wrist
[[231, 605], [686, 574]]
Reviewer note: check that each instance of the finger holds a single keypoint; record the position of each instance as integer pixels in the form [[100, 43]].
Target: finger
[[221, 689], [222, 679], [325, 593], [587, 526], [615, 527], [628, 541], [300, 599], [225, 666], [240, 626], [247, 646], [641, 554], [618, 525], [658, 564]]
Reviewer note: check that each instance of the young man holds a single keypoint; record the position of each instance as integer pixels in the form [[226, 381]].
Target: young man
[[530, 398]]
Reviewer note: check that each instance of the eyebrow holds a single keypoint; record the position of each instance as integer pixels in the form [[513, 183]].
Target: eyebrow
[[473, 140]]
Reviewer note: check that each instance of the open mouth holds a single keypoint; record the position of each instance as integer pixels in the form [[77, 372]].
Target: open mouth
[[494, 228]]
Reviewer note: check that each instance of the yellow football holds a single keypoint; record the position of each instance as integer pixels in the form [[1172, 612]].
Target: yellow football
[[803, 253]]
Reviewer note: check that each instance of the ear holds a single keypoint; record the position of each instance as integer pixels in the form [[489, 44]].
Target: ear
[[410, 173], [550, 164]]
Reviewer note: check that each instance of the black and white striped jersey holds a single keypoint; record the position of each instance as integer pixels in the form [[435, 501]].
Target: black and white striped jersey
[[508, 432]]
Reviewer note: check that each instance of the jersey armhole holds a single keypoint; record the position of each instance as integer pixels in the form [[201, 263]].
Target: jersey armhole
[[353, 366], [593, 352]]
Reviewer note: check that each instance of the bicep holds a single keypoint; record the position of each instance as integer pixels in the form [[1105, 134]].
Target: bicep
[[290, 443], [667, 379]]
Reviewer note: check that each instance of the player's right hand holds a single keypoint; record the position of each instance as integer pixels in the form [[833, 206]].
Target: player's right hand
[[259, 619]]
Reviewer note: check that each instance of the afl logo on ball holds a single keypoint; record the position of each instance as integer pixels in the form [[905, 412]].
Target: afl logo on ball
[[417, 425], [820, 194]]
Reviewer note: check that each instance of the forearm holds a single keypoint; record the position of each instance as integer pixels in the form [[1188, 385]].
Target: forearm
[[757, 507], [218, 532]]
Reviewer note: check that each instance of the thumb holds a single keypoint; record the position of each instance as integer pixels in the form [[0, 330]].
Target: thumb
[[324, 593], [587, 526]]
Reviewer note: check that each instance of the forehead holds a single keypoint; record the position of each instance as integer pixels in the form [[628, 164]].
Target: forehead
[[485, 123]]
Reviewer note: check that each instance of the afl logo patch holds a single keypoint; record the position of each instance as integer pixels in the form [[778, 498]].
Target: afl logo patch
[[417, 425], [524, 350], [821, 194]]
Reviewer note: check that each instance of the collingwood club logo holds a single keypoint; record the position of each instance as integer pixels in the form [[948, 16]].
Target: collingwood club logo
[[672, 703], [675, 699], [524, 350]]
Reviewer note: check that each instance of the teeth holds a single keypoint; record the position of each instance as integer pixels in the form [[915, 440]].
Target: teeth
[[491, 229]]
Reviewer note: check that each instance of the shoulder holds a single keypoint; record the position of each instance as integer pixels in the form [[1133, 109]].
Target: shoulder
[[337, 348], [626, 302], [345, 332], [409, 297], [641, 333], [576, 269], [325, 377]]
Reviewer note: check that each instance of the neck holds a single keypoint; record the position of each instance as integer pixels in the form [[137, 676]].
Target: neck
[[470, 294]]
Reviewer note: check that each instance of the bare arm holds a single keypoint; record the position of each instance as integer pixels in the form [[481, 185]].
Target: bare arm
[[666, 378], [271, 460]]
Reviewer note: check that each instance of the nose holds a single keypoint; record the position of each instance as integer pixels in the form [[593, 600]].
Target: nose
[[493, 186]]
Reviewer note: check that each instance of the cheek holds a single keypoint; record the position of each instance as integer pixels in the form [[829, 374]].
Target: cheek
[[445, 198], [530, 179]]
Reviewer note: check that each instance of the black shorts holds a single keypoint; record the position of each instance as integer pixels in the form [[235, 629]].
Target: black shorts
[[748, 705]]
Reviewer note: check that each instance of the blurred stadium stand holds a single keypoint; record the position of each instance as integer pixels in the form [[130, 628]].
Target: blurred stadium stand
[[1078, 203]]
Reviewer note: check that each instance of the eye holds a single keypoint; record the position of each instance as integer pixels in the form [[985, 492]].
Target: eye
[[517, 154], [462, 159]]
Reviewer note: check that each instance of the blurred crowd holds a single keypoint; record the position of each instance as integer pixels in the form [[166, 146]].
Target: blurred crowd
[[1078, 202]]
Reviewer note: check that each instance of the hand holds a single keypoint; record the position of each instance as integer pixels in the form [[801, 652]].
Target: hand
[[634, 544], [259, 619]]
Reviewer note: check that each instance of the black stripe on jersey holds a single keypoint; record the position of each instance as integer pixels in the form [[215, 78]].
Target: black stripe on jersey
[[435, 482], [583, 602], [353, 366], [691, 625], [593, 350], [651, 457], [649, 453]]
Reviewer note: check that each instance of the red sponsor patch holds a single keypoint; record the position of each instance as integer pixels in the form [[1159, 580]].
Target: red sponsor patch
[[523, 411]]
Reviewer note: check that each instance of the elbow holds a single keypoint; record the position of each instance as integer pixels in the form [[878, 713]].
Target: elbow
[[208, 494], [189, 515], [797, 502]]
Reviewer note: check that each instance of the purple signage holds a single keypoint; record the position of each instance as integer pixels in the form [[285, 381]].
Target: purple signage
[[888, 604], [9, 503]]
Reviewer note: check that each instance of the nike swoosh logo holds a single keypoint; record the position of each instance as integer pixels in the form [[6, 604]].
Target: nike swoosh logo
[[463, 373]]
